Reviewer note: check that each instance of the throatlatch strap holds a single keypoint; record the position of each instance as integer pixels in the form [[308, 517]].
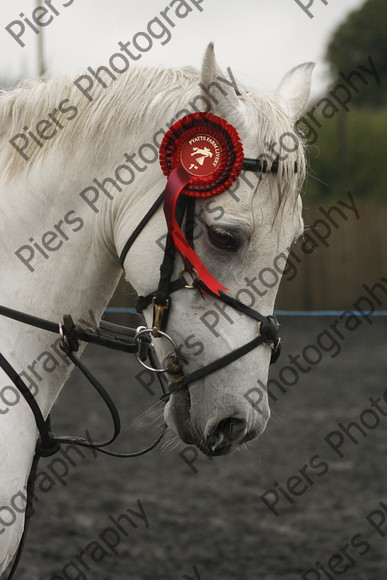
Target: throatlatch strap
[[140, 227]]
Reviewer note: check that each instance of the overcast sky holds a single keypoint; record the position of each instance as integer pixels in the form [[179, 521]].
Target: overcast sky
[[259, 39]]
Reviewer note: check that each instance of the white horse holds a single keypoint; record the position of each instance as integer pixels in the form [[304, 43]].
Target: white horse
[[79, 171]]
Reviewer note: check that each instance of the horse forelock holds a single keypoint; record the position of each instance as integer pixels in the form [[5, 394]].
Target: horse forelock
[[272, 131]]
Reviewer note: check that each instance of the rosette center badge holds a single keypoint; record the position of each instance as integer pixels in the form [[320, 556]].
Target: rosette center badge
[[200, 155]]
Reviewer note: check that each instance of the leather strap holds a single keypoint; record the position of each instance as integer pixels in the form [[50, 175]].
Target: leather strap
[[116, 337], [215, 365], [47, 445], [261, 165], [140, 227]]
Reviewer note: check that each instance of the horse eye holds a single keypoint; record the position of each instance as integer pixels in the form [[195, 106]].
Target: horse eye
[[222, 238]]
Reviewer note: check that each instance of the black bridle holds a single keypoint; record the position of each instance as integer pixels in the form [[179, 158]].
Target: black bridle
[[137, 341], [161, 298]]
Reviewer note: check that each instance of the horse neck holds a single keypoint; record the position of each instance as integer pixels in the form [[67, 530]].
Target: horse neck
[[80, 276]]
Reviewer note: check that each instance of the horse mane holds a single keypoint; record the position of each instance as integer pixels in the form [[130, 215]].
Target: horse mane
[[119, 110], [113, 110]]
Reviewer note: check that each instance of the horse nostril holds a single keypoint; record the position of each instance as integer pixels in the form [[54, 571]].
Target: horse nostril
[[231, 427], [226, 432]]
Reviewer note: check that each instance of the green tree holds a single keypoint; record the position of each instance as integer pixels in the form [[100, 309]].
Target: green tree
[[363, 34]]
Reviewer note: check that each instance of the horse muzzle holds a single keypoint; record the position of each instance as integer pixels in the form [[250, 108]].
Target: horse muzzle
[[219, 437]]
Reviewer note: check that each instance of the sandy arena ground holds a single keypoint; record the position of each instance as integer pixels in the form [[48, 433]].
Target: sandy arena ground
[[207, 521]]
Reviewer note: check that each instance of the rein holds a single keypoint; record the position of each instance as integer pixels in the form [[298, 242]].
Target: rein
[[108, 335], [112, 336], [136, 341]]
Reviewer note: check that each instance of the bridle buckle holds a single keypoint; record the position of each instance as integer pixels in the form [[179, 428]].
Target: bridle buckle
[[277, 345], [159, 310], [69, 341]]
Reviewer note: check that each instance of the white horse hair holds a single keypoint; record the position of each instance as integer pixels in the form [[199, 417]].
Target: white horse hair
[[78, 269]]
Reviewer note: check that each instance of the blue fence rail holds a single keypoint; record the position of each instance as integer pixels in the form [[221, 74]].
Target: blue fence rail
[[128, 310]]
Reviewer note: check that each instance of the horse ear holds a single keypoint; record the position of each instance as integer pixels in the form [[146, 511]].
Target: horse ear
[[294, 89], [223, 97]]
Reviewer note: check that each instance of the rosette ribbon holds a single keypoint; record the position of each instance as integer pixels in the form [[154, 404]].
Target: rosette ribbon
[[202, 156]]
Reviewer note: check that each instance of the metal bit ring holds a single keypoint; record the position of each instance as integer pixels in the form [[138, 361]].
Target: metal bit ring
[[142, 330]]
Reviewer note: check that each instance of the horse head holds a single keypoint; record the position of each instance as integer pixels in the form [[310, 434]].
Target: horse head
[[243, 237]]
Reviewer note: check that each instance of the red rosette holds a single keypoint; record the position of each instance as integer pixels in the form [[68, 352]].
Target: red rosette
[[208, 148], [202, 156]]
